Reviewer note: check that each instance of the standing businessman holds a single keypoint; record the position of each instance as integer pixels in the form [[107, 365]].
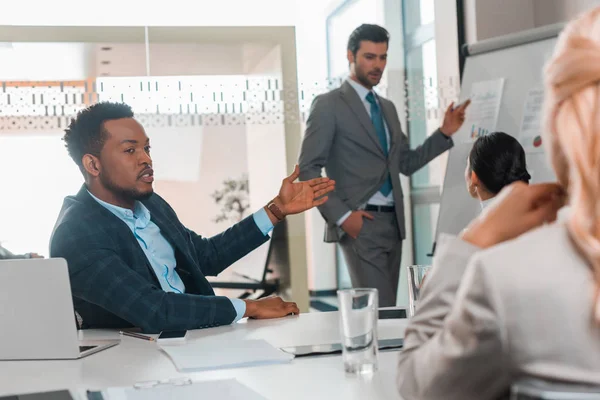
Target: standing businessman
[[356, 136]]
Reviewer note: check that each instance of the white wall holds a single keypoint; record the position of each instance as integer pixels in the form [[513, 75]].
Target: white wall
[[79, 61], [261, 57], [151, 12], [173, 59], [311, 46], [307, 15], [191, 199], [33, 192], [552, 11], [485, 19], [45, 61]]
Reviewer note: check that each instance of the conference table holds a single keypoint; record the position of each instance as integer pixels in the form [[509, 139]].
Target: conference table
[[135, 360]]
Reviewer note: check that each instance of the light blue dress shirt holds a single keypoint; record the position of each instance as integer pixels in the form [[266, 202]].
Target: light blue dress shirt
[[159, 251]]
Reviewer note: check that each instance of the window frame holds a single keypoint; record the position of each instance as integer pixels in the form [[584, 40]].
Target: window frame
[[421, 195]]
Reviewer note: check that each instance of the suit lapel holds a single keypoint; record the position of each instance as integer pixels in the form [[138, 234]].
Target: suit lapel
[[114, 222], [351, 98], [387, 110]]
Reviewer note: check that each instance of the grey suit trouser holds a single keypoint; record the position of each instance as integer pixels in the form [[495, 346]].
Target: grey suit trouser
[[373, 258]]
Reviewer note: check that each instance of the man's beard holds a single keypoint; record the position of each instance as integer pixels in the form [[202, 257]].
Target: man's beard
[[123, 193], [363, 78]]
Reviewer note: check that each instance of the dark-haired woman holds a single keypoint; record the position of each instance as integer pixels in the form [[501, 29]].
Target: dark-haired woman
[[496, 160]]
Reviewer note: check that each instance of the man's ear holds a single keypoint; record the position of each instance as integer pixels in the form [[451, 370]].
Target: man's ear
[[91, 164], [350, 56]]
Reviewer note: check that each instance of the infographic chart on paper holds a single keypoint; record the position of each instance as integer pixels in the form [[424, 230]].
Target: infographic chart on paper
[[482, 114], [530, 133]]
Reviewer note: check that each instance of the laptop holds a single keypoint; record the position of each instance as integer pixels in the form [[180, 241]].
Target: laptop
[[37, 319]]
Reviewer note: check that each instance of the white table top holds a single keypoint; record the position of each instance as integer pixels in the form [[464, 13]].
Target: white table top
[[136, 360]]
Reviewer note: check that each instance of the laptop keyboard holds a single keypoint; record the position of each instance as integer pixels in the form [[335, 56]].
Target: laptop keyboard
[[85, 348]]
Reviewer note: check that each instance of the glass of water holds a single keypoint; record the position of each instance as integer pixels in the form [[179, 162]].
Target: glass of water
[[417, 274], [358, 329]]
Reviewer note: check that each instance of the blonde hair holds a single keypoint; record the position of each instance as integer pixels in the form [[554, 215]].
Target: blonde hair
[[572, 128]]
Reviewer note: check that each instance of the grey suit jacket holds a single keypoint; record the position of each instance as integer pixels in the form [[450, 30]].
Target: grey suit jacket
[[340, 137], [523, 309]]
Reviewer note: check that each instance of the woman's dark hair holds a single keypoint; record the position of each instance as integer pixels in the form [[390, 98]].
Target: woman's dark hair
[[498, 160]]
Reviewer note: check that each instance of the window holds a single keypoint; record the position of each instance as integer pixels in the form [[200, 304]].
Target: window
[[417, 14], [427, 12], [423, 119], [46, 174], [426, 215]]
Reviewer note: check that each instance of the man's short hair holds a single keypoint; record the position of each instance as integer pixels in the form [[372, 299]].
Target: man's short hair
[[86, 133], [369, 32]]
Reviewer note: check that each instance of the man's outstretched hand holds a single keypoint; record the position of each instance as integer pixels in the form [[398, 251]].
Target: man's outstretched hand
[[296, 197]]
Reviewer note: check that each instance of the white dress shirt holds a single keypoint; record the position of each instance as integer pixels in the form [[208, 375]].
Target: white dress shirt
[[485, 203]]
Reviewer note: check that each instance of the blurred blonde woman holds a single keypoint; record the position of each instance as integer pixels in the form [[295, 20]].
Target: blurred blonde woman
[[517, 295]]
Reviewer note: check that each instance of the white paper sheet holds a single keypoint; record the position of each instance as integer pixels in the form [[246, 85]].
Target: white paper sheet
[[225, 389], [530, 134], [203, 354], [482, 114]]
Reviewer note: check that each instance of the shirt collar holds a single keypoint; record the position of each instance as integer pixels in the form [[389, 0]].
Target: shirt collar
[[486, 203], [140, 211], [360, 89]]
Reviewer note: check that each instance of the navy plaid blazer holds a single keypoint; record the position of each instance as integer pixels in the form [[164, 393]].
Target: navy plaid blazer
[[113, 284]]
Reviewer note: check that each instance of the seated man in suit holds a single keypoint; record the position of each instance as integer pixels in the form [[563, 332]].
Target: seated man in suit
[[132, 263], [6, 254]]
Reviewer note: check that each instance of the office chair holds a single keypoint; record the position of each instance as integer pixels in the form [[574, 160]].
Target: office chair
[[277, 260]]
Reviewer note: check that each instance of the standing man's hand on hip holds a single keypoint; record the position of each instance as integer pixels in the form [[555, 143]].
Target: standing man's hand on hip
[[454, 118], [354, 223]]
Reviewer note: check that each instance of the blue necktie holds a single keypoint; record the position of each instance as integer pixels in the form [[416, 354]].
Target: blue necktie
[[377, 120]]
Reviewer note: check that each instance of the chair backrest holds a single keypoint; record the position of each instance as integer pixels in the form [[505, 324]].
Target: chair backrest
[[278, 256], [276, 267], [534, 389]]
